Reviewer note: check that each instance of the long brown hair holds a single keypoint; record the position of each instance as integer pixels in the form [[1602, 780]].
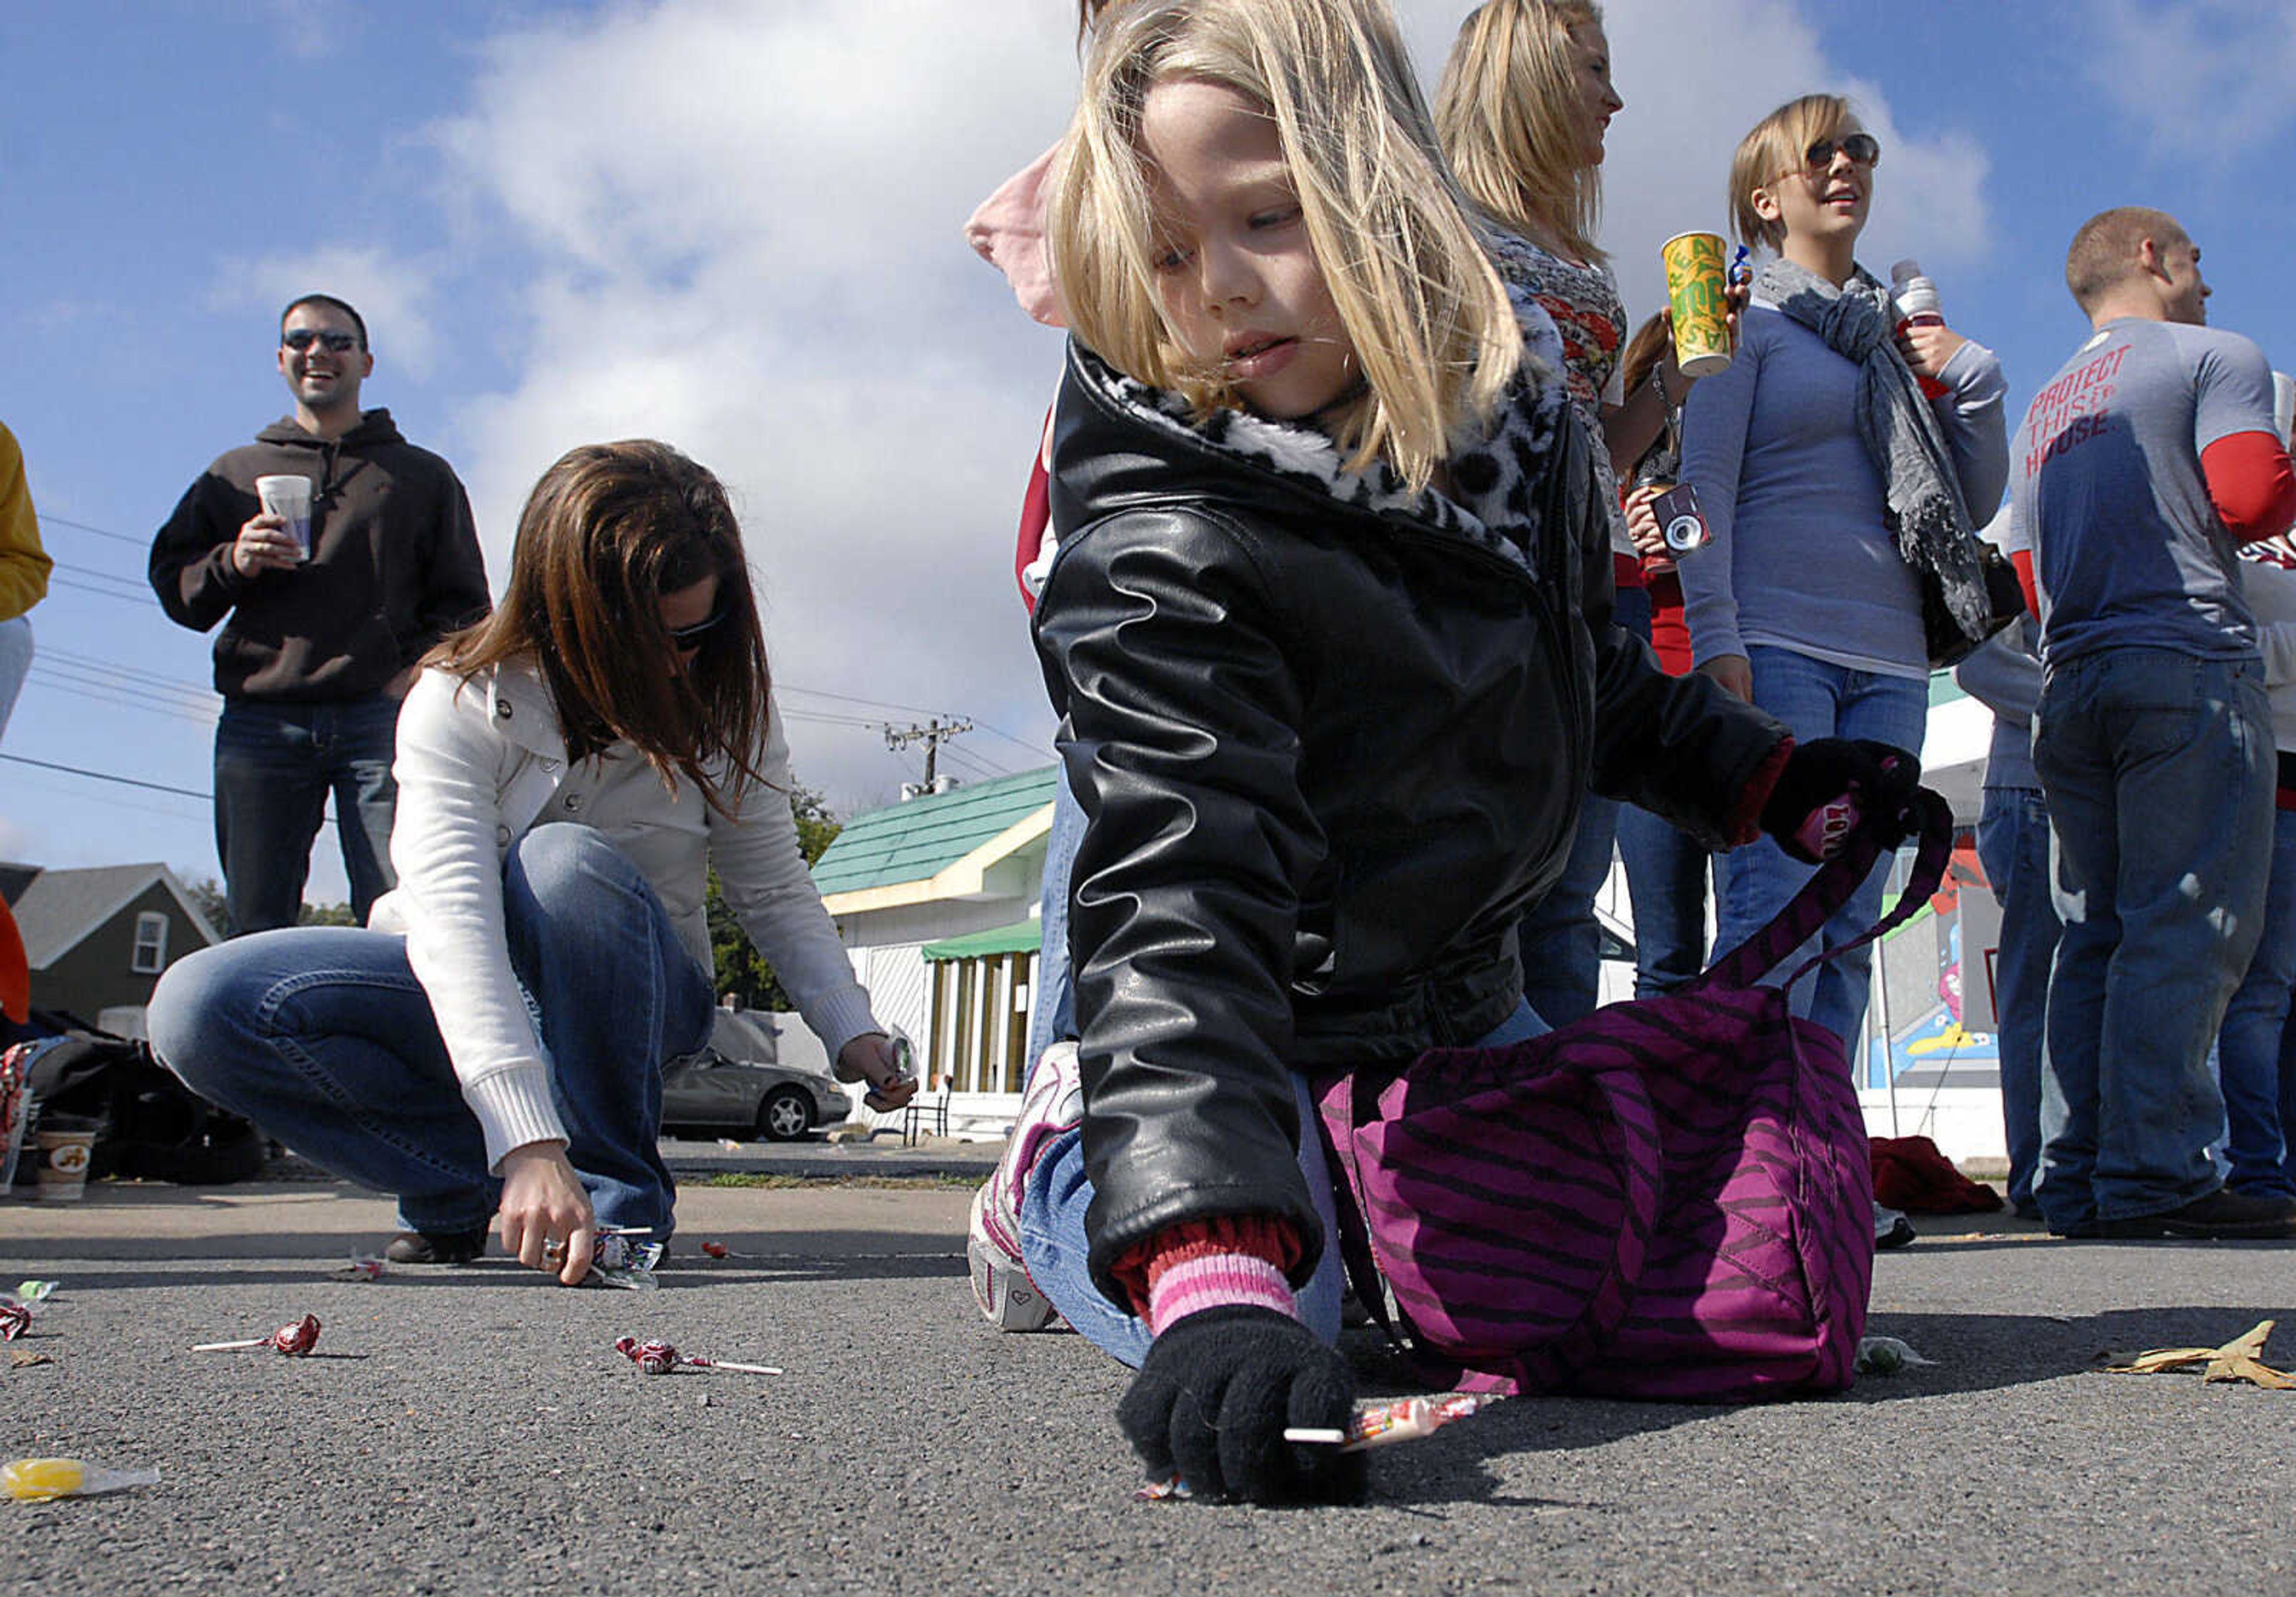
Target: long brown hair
[[608, 531]]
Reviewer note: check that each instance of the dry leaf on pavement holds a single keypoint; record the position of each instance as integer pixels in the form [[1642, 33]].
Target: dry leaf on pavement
[[2237, 1359]]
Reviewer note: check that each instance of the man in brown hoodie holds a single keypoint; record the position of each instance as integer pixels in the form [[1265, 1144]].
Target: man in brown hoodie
[[319, 647]]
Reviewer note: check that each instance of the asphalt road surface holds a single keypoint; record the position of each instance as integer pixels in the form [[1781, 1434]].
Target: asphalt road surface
[[472, 1429]]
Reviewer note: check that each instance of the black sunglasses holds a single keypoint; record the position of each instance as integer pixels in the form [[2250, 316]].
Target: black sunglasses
[[299, 339], [1863, 148], [690, 637]]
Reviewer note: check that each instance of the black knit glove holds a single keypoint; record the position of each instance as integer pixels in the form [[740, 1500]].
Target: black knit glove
[[1832, 787], [1211, 1403]]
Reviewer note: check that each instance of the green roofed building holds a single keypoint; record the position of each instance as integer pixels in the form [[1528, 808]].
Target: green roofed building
[[937, 898]]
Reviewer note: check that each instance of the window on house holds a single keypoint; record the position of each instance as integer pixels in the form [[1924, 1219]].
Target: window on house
[[150, 955]]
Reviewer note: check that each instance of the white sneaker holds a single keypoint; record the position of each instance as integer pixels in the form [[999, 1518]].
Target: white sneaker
[[1054, 1103]]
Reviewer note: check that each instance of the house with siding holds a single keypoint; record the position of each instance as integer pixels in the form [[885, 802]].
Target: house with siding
[[936, 898], [97, 938]]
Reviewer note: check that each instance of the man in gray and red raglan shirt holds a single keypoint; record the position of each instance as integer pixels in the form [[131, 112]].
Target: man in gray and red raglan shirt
[[2140, 469]]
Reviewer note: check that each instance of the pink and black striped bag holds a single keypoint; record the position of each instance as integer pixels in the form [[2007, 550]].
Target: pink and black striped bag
[[1671, 1199]]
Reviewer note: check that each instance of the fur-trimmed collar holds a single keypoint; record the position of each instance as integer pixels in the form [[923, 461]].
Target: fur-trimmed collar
[[1491, 478]]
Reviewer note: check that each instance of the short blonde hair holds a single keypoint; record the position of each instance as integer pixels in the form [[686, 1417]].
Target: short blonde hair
[[1504, 112], [1421, 303], [1778, 144], [2104, 253]]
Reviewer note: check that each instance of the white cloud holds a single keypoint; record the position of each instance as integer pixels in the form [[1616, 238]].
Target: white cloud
[[393, 295], [2199, 77], [744, 225]]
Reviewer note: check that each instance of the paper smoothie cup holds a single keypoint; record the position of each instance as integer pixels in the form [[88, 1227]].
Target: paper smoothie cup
[[1694, 278]]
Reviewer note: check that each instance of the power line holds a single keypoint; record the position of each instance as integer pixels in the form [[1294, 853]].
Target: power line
[[45, 518], [82, 588], [127, 781]]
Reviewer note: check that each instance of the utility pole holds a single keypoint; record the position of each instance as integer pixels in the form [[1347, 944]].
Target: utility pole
[[933, 735]]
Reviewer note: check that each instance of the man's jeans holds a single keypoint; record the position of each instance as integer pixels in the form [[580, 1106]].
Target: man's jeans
[[1053, 1245], [2251, 1061], [274, 767], [15, 664], [323, 1037], [2159, 770], [2012, 845], [1816, 698]]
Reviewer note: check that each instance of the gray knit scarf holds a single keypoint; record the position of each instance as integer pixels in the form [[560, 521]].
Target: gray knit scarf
[[1900, 432]]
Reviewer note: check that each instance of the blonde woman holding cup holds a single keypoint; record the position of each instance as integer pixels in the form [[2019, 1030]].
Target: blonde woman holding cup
[[1806, 602]]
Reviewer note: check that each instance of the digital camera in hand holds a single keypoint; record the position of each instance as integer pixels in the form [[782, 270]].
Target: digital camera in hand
[[1681, 521]]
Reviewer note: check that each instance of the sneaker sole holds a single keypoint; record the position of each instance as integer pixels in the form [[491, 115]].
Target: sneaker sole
[[1002, 1292]]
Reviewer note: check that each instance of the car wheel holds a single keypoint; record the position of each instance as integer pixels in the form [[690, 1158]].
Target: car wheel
[[784, 1116]]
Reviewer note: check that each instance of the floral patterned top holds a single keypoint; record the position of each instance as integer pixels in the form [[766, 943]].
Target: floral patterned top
[[1584, 301]]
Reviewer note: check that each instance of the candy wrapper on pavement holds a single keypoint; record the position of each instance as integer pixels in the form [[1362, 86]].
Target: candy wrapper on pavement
[[294, 1341], [15, 1320], [1405, 1419], [617, 1259], [660, 1358], [45, 1479]]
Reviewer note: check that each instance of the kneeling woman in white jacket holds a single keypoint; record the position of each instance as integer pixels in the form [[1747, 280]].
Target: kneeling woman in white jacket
[[567, 771]]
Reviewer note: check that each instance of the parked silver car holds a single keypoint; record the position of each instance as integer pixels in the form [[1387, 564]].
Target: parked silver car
[[762, 1075]]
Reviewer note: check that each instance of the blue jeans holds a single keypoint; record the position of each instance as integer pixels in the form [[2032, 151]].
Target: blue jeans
[[1051, 1015], [1560, 942], [274, 767], [2012, 845], [2248, 1049], [15, 664], [2159, 770], [1816, 698], [1667, 870], [1053, 1245], [323, 1037]]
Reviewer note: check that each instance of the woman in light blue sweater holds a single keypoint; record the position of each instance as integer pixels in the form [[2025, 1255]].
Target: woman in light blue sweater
[[1809, 601]]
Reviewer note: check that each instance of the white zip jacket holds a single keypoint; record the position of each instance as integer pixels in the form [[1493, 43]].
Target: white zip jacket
[[479, 762]]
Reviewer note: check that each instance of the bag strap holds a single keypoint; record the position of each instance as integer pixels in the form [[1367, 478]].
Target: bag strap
[[1836, 883], [1335, 1121]]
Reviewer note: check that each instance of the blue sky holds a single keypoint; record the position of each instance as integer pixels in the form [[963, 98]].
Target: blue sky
[[735, 226]]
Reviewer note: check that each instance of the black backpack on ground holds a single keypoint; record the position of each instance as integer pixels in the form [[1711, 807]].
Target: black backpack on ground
[[150, 1126]]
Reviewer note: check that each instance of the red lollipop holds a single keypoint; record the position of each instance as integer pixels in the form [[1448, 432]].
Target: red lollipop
[[294, 1340]]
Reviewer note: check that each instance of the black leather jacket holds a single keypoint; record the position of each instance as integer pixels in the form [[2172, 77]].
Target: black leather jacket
[[1330, 739]]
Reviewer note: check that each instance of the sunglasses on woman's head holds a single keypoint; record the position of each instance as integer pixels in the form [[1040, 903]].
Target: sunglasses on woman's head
[[690, 637], [1863, 148]]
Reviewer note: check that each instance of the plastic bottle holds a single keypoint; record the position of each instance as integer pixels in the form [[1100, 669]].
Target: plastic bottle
[[1918, 305], [45, 1479]]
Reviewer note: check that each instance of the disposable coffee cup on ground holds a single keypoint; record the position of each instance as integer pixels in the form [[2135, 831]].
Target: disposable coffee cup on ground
[[289, 498], [1695, 276], [66, 1147]]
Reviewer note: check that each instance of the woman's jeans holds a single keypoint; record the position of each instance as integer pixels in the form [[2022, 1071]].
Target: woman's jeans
[[1816, 698], [1667, 870], [323, 1037], [1052, 1016], [2012, 845], [1053, 1243], [2253, 1061]]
